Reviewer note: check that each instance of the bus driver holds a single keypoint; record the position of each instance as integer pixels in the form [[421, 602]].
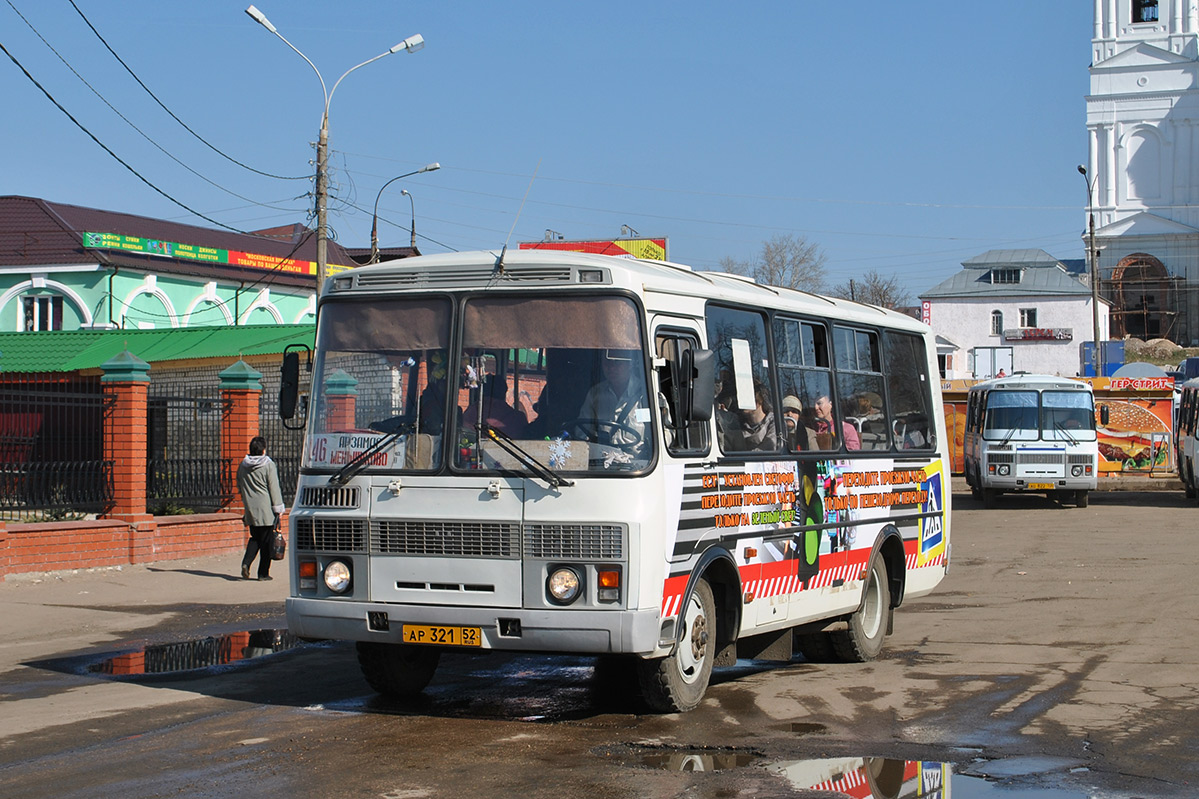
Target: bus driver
[[619, 399]]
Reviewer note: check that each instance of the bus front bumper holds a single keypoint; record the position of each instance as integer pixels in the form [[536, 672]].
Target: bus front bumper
[[515, 629]]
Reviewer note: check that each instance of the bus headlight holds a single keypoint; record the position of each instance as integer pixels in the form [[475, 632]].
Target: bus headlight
[[1076, 471], [1004, 470], [563, 586], [337, 577]]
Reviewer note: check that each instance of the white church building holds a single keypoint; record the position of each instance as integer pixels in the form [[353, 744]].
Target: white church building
[[1025, 309], [1143, 125]]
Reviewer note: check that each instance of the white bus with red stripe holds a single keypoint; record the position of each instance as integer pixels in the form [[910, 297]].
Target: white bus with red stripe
[[564, 453]]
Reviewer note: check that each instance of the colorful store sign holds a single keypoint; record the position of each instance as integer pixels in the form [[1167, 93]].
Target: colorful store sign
[[208, 255], [652, 249]]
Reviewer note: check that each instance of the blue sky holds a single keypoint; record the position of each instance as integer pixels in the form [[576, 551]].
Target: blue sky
[[899, 137]]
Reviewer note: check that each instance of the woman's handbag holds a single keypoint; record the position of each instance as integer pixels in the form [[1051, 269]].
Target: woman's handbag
[[278, 543]]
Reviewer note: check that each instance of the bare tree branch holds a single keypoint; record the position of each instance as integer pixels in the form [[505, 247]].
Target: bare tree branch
[[874, 289], [787, 261]]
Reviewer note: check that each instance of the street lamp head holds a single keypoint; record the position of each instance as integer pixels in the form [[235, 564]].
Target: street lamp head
[[261, 19], [405, 192], [411, 44], [433, 167], [1082, 170]]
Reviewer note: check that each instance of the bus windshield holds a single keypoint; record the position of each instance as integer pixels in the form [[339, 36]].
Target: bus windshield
[[1012, 415], [564, 379], [1068, 414], [1030, 415]]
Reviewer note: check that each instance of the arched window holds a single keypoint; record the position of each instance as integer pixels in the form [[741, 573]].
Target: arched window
[[996, 323]]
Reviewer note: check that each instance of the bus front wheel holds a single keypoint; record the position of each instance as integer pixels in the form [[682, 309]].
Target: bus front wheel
[[862, 639], [1082, 498], [397, 670], [678, 681], [990, 498]]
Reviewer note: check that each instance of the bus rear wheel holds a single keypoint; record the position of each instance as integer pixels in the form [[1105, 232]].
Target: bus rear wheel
[[862, 639], [677, 682], [397, 670]]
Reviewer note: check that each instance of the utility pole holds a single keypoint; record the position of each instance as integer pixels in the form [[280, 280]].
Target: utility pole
[[1093, 262]]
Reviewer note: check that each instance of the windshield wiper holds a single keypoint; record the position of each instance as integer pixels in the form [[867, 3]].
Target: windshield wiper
[[505, 442], [360, 461], [1061, 428]]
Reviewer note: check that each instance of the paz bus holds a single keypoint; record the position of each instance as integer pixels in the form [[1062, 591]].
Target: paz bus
[[553, 452], [1031, 432]]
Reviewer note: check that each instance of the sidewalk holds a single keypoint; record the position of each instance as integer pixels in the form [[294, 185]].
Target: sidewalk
[[49, 613]]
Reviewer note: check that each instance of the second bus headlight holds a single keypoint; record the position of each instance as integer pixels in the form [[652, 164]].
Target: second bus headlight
[[1004, 469], [337, 577], [563, 586]]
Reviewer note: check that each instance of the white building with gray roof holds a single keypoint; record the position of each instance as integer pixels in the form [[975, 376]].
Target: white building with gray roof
[[1015, 310]]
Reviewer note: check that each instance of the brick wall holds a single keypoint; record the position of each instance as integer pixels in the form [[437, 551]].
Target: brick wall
[[57, 546]]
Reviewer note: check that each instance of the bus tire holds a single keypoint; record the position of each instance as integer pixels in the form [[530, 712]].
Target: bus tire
[[1189, 481], [1082, 498], [397, 670], [990, 498], [677, 682], [862, 639]]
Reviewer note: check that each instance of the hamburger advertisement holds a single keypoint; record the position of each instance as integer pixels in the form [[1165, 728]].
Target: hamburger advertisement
[[1136, 436]]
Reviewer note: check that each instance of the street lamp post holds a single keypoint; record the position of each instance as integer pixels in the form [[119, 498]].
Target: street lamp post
[[1092, 261], [411, 44], [411, 207], [433, 167]]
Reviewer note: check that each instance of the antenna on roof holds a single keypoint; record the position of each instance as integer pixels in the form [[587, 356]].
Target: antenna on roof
[[499, 262]]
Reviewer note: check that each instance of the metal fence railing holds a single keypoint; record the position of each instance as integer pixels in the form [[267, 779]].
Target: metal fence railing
[[51, 447], [184, 468]]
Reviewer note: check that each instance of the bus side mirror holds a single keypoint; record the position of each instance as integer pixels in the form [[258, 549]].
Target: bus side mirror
[[698, 368], [289, 385], [289, 380], [1105, 415]]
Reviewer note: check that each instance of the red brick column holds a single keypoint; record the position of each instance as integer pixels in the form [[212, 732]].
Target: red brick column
[[4, 557], [125, 387], [341, 398], [240, 394]]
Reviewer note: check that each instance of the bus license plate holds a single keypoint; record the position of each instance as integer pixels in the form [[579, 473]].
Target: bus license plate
[[1040, 486], [443, 636]]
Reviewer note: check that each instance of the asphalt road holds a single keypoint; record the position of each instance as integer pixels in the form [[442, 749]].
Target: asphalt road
[[1060, 652]]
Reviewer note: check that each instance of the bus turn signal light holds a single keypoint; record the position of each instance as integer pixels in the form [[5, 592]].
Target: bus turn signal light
[[609, 586]]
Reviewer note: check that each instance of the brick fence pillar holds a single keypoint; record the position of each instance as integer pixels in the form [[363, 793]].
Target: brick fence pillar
[[240, 394], [4, 556], [126, 384], [341, 399]]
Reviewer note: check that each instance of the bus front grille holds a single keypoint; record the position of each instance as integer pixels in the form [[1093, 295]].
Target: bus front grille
[[1083, 460], [587, 541], [445, 539], [1041, 458], [330, 535], [326, 497]]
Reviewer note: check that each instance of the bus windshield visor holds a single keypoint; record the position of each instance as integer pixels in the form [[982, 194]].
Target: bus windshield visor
[[1012, 415], [562, 378], [1069, 415], [381, 372]]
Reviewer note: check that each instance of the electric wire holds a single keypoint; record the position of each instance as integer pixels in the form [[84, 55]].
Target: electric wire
[[129, 122], [172, 113], [106, 149]]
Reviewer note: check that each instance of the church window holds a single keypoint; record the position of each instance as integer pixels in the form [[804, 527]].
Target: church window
[[996, 323], [1144, 11]]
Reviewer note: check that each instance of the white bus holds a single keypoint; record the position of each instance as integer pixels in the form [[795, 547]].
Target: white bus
[[1031, 433], [567, 453], [1186, 436]]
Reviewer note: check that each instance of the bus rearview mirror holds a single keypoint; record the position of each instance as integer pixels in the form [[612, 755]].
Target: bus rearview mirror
[[699, 384]]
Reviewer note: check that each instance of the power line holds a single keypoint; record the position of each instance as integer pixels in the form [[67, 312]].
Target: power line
[[172, 113], [129, 122], [106, 149]]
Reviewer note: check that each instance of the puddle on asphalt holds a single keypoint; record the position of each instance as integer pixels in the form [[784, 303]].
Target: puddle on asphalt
[[865, 778], [199, 653]]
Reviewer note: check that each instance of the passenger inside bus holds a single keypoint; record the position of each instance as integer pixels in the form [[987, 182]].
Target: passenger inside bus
[[800, 437], [825, 425], [754, 428], [496, 410]]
